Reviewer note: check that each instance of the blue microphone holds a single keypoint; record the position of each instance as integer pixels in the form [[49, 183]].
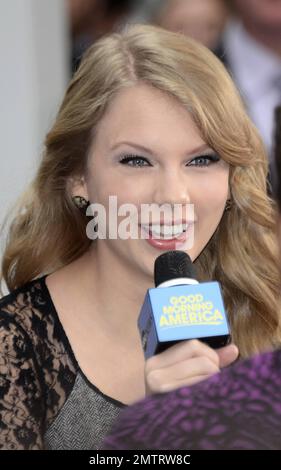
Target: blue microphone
[[180, 308]]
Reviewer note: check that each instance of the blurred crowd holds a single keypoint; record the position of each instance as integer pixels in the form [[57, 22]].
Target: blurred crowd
[[244, 34]]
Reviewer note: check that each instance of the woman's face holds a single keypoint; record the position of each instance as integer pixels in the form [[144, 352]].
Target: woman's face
[[165, 161]]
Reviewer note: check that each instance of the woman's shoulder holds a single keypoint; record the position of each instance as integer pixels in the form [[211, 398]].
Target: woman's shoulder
[[27, 304], [29, 314], [30, 328]]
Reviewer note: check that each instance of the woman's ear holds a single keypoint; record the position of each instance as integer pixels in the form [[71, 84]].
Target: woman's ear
[[77, 187]]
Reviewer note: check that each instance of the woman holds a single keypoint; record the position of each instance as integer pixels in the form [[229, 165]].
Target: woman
[[149, 117]]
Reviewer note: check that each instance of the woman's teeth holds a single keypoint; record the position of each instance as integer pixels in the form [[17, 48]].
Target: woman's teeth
[[166, 231]]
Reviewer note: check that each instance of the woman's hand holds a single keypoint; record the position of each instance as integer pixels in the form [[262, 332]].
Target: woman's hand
[[185, 363]]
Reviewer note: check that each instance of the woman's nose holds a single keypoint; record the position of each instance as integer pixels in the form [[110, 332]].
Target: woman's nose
[[171, 187]]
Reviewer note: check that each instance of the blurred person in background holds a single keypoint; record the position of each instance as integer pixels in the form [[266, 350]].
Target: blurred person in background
[[203, 20], [91, 19], [251, 49]]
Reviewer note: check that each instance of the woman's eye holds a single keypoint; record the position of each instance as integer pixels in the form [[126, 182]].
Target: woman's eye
[[204, 160], [134, 160]]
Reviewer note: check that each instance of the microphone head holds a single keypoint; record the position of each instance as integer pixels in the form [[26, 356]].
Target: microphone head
[[172, 265]]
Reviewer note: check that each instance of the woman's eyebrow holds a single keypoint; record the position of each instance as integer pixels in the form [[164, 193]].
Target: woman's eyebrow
[[200, 148]]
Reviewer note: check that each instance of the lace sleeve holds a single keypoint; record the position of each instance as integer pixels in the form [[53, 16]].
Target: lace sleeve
[[21, 395]]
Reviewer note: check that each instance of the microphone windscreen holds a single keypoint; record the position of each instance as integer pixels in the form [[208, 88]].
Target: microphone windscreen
[[172, 265]]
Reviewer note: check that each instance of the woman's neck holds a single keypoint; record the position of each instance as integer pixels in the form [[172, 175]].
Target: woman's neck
[[117, 291]]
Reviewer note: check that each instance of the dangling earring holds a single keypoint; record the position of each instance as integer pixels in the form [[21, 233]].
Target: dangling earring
[[228, 205], [81, 203]]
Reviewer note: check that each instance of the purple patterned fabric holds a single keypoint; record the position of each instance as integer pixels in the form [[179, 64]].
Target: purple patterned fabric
[[240, 408]]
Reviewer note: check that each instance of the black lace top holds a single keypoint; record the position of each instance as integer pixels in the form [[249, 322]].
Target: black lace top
[[45, 400]]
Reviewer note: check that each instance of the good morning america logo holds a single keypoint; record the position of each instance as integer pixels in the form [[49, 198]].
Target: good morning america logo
[[190, 310]]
